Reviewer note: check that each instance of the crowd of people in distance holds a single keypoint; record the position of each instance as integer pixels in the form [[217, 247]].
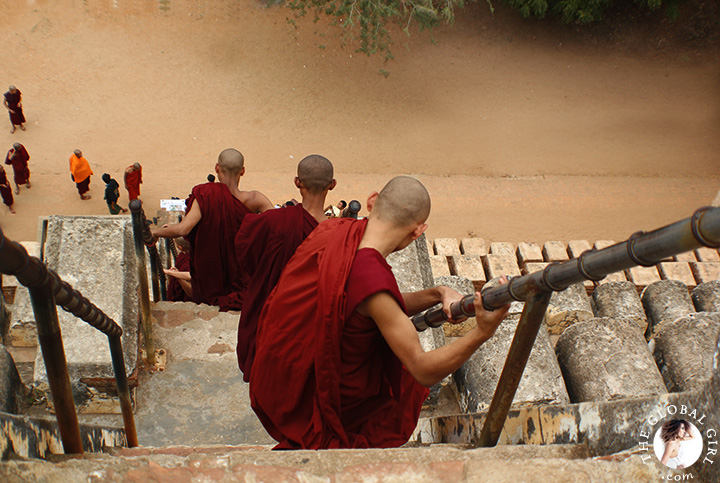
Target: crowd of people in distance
[[80, 170], [321, 315]]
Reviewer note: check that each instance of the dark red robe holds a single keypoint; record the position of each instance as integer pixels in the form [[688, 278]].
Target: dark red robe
[[132, 182], [13, 101], [213, 264], [263, 246], [19, 161], [323, 376], [175, 292], [5, 191]]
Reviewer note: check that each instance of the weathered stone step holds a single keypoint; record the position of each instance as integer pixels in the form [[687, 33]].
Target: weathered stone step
[[558, 463]]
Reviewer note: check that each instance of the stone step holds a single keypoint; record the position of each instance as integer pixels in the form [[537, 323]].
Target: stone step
[[557, 463]]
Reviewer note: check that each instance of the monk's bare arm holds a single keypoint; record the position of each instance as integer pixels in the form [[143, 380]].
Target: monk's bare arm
[[428, 368], [258, 202], [416, 302], [182, 228]]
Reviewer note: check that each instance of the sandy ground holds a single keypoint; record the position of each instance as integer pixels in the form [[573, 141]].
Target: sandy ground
[[519, 132]]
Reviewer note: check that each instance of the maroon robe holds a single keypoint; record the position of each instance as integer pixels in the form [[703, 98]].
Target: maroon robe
[[323, 376], [5, 192], [175, 292], [263, 246], [213, 265], [19, 161]]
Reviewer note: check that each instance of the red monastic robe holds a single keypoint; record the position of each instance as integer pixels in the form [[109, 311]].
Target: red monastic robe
[[132, 181], [175, 292], [323, 376], [213, 265], [263, 246], [19, 162], [5, 190]]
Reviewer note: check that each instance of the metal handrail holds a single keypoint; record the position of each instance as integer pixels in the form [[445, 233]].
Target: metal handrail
[[140, 226], [47, 290], [145, 319], [535, 289]]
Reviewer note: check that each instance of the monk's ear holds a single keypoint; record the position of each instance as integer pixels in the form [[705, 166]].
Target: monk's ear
[[242, 171], [371, 200], [419, 230], [333, 184], [297, 182], [217, 168]]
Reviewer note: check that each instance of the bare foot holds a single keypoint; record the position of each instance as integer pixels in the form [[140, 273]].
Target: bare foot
[[83, 197], [17, 191], [22, 127], [28, 184], [12, 130], [11, 210]]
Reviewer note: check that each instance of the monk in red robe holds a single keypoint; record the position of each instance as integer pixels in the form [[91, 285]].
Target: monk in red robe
[[133, 180], [265, 243], [6, 191], [213, 216], [338, 364], [179, 288], [18, 157]]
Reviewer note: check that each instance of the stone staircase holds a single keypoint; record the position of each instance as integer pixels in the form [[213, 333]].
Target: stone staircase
[[194, 421]]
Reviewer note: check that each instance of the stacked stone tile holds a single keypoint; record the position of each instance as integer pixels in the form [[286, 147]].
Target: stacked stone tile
[[641, 333]]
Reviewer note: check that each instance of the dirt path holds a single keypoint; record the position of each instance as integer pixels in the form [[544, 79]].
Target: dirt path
[[518, 135]]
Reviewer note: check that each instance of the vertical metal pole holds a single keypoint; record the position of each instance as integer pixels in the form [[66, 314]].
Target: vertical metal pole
[[53, 351], [118, 362], [154, 269], [145, 320], [522, 344], [168, 252]]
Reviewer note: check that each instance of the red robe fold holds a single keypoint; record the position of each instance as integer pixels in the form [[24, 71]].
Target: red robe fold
[[175, 292], [263, 246], [132, 183], [213, 264], [323, 376], [19, 161]]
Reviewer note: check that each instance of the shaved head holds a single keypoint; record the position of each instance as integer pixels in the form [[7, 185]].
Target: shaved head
[[136, 166], [78, 153], [315, 172], [231, 161], [404, 201]]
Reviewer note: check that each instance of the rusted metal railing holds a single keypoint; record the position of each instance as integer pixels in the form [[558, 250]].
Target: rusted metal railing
[[144, 295], [46, 291], [645, 249], [140, 225]]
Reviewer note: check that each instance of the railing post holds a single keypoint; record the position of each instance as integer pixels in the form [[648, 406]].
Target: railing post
[[145, 320], [118, 362], [522, 344], [51, 345]]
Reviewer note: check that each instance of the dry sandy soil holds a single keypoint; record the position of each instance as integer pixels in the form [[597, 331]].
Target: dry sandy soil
[[521, 132]]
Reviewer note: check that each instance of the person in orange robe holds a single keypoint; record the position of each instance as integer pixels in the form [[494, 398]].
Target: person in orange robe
[[133, 180], [213, 216], [18, 157], [338, 363], [80, 173], [265, 243]]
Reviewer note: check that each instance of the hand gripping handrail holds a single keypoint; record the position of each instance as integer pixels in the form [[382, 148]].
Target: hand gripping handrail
[[46, 290], [647, 249]]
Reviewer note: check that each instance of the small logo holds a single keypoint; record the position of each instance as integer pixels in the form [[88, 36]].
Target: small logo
[[681, 441]]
